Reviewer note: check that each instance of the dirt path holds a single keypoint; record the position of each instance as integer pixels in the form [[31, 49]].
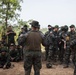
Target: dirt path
[[19, 70]]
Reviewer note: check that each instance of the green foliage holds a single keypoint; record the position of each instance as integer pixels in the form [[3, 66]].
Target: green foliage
[[8, 13], [8, 10], [43, 30], [22, 23]]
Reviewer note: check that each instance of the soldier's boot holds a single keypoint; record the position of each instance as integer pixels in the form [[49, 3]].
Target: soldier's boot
[[1, 66], [8, 65], [66, 66], [75, 71], [37, 72], [49, 65], [27, 72], [60, 62]]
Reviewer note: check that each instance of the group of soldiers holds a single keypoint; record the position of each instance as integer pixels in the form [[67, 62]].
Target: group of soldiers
[[8, 55], [59, 42], [61, 45], [9, 51]]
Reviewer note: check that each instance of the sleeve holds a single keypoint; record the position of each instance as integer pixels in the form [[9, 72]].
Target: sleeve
[[22, 38]]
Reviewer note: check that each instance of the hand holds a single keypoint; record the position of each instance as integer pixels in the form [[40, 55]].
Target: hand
[[59, 42], [64, 47], [12, 59], [21, 35], [4, 67]]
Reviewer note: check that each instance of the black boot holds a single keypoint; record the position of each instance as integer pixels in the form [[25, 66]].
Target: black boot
[[49, 65], [66, 66], [37, 73], [27, 72], [75, 71]]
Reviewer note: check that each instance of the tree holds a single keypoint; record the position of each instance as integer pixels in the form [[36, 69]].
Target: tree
[[8, 10]]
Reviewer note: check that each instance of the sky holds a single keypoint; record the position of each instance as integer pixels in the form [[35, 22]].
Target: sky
[[53, 12]]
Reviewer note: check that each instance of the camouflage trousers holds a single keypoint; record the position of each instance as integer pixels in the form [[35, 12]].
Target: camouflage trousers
[[67, 55], [32, 58], [46, 52], [70, 52], [74, 62]]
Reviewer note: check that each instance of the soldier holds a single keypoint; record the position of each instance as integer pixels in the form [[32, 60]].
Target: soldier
[[72, 34], [3, 40], [56, 41], [22, 31], [10, 35], [67, 46], [4, 59], [25, 28], [32, 49], [49, 43], [14, 54], [62, 43], [47, 48], [72, 51], [52, 42]]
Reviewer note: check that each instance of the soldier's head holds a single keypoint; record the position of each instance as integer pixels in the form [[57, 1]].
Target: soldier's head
[[56, 28], [22, 29], [12, 46], [65, 28], [35, 25], [9, 28], [62, 28], [25, 27], [72, 27], [49, 27], [4, 37], [3, 50]]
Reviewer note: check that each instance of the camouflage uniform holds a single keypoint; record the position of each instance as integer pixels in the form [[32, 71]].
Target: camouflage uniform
[[63, 35], [14, 54], [61, 46], [68, 50], [49, 43], [24, 30], [52, 43], [10, 37], [4, 59], [32, 50], [56, 40], [72, 34], [46, 36], [20, 51]]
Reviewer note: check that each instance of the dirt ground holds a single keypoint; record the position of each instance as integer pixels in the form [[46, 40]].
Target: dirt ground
[[56, 70]]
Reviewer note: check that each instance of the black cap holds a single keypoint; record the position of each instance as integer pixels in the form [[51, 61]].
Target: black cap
[[65, 28], [25, 25], [72, 26], [35, 24], [49, 26], [56, 26]]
